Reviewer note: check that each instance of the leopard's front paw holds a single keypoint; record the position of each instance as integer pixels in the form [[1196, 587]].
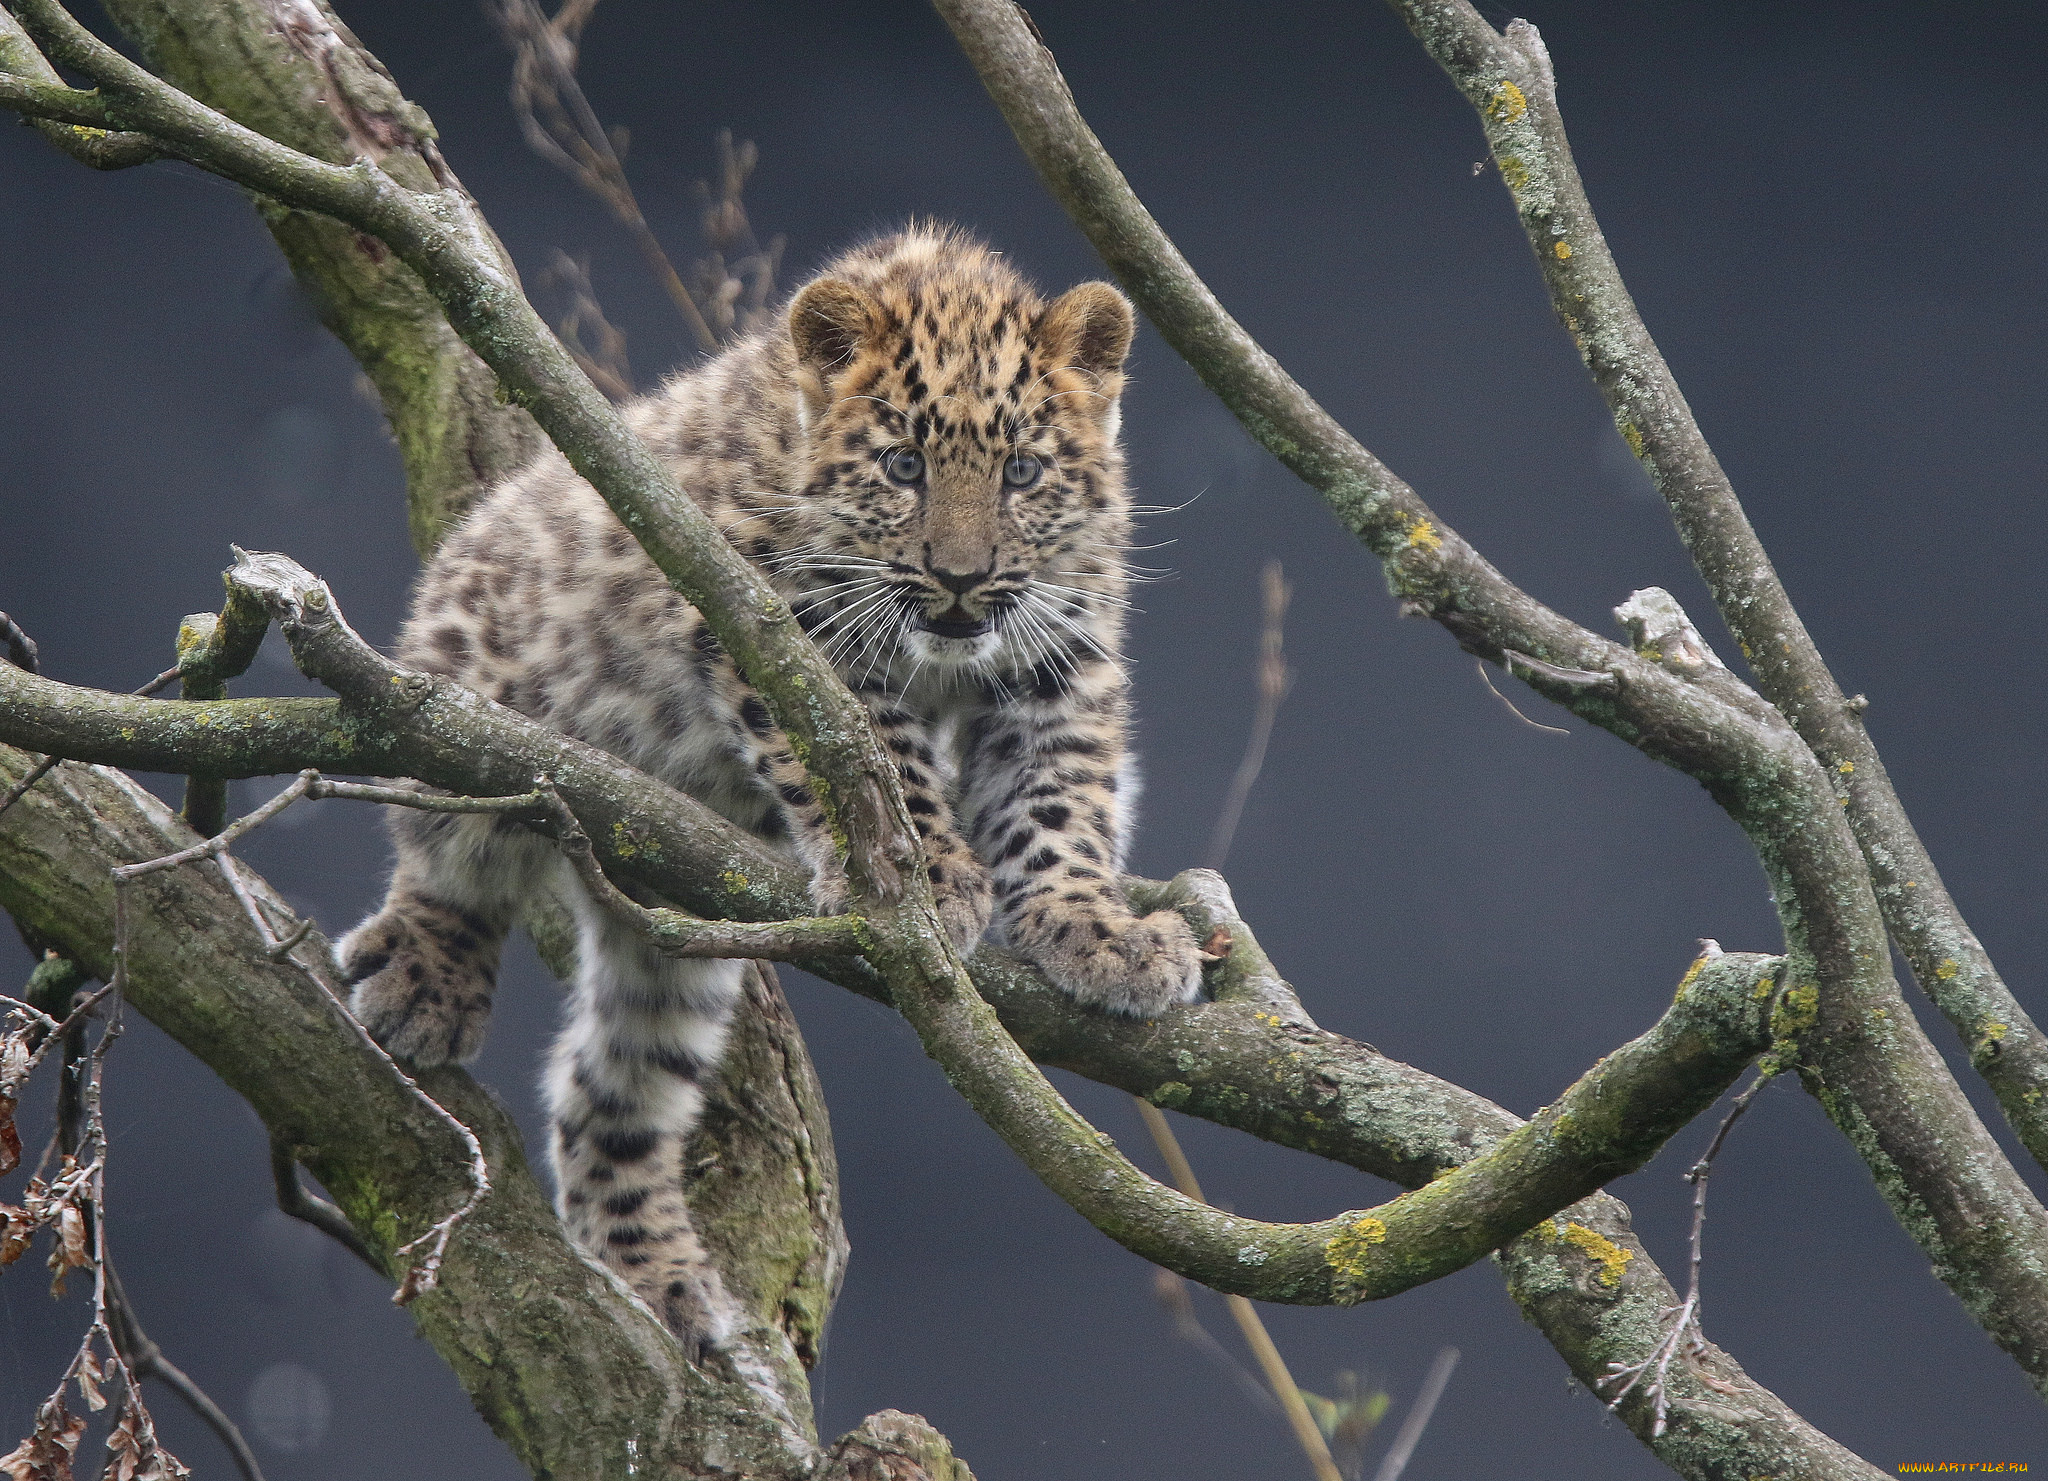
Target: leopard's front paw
[[421, 981], [1138, 966]]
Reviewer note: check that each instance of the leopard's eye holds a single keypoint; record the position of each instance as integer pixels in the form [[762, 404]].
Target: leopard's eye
[[905, 465], [1021, 470]]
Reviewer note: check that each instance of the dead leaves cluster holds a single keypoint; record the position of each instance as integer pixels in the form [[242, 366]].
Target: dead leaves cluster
[[46, 1455], [133, 1453], [59, 1204]]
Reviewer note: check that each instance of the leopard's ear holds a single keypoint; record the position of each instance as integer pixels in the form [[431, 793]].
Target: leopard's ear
[[829, 321], [1089, 326]]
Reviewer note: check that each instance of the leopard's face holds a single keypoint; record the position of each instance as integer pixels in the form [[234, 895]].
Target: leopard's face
[[965, 509]]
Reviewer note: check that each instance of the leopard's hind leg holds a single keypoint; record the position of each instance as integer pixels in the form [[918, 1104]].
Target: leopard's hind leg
[[625, 1088]]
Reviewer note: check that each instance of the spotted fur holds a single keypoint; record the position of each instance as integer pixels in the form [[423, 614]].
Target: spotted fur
[[925, 463]]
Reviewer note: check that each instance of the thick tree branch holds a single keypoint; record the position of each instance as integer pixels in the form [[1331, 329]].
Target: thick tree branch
[[1509, 80], [1860, 1049], [1182, 1063], [572, 1369]]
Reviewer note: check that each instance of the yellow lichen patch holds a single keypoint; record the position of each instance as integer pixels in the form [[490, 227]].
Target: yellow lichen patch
[[623, 843], [1563, 250], [735, 881], [1514, 173], [87, 131], [1347, 1250], [1996, 1031], [1796, 1011], [1846, 767], [1507, 104], [1602, 1251], [1633, 436], [1422, 534], [1692, 975], [1947, 969]]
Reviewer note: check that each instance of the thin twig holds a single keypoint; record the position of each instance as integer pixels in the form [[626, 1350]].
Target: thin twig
[[1271, 1363], [1574, 678], [1274, 681], [563, 128], [605, 361], [1684, 1336], [1172, 1291], [1487, 679], [1395, 1461], [676, 934], [146, 1360], [422, 1276]]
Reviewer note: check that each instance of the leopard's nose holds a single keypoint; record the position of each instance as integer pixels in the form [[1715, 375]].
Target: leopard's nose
[[961, 582]]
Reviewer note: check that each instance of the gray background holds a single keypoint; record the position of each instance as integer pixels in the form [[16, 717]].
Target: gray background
[[1832, 218]]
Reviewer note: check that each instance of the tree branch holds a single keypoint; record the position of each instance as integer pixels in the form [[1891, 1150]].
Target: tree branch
[[575, 1368], [95, 147], [1509, 80], [1883, 1084]]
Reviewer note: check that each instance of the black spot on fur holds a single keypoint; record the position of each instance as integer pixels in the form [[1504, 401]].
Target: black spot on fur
[[625, 1146], [625, 1205]]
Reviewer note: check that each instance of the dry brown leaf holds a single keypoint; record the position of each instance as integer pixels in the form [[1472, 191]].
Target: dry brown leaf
[[46, 1454], [1217, 947], [89, 1376], [19, 1234], [10, 1139]]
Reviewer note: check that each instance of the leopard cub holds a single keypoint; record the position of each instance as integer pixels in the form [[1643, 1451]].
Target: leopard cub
[[924, 461]]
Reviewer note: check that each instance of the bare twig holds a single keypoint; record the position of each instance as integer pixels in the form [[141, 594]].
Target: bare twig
[[1275, 680], [1574, 678], [420, 1277], [737, 274], [675, 933], [1172, 1291], [604, 361], [563, 129], [1684, 1336], [1395, 1461], [1487, 679]]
